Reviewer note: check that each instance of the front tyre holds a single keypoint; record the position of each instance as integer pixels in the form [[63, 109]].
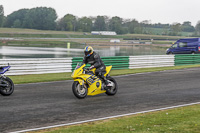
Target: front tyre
[[79, 92], [112, 90], [7, 87]]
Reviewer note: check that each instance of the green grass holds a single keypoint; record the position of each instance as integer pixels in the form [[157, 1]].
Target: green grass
[[163, 42], [34, 31], [21, 79], [33, 35], [16, 32], [143, 70], [179, 120], [160, 31], [39, 43]]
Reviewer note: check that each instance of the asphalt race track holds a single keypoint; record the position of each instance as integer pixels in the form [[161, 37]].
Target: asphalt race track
[[46, 104]]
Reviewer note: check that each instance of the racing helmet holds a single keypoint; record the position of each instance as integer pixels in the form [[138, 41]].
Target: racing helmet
[[88, 51]]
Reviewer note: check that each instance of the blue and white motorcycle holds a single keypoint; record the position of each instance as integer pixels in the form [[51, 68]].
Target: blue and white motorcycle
[[6, 84]]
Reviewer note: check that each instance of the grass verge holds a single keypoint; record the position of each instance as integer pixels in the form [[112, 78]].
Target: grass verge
[[178, 120], [17, 32], [66, 76]]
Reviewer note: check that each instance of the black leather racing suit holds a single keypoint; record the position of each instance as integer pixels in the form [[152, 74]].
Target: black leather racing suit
[[95, 60]]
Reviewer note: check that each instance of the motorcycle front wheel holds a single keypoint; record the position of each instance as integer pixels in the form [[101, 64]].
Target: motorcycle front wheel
[[78, 90], [7, 87]]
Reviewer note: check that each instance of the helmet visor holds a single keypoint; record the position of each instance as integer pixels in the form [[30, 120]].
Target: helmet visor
[[87, 52]]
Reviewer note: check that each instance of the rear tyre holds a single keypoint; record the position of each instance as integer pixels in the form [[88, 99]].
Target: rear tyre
[[8, 87], [112, 90], [79, 92]]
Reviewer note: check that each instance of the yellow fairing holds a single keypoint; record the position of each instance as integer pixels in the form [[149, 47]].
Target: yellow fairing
[[94, 83], [77, 72], [95, 88], [91, 90], [108, 68], [81, 81]]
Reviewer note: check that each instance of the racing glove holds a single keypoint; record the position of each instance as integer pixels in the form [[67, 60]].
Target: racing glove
[[91, 67]]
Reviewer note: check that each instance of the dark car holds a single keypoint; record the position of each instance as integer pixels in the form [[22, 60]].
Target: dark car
[[185, 46]]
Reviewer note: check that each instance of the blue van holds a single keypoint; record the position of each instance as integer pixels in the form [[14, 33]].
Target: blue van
[[185, 46]]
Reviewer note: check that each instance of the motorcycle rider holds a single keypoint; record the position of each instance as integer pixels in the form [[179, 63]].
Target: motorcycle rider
[[92, 58]]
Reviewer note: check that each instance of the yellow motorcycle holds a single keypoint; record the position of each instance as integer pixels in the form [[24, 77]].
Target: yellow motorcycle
[[87, 83]]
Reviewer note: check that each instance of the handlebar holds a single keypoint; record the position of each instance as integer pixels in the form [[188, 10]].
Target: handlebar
[[86, 69]]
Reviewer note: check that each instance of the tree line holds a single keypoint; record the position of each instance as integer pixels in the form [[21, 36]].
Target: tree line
[[43, 18]]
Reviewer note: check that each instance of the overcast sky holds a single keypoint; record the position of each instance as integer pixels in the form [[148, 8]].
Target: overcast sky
[[163, 11]]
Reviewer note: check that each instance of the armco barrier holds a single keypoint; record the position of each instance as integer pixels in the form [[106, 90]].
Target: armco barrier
[[60, 65], [151, 61], [117, 62], [37, 65], [188, 59]]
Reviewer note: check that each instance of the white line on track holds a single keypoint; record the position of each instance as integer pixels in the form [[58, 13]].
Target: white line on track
[[104, 118]]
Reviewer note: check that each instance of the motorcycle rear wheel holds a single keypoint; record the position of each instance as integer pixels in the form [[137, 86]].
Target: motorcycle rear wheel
[[113, 89], [78, 91], [9, 88]]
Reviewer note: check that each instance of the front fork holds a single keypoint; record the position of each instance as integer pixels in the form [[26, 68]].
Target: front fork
[[81, 82], [2, 83]]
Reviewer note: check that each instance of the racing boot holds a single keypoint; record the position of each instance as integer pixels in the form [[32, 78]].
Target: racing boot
[[109, 84]]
